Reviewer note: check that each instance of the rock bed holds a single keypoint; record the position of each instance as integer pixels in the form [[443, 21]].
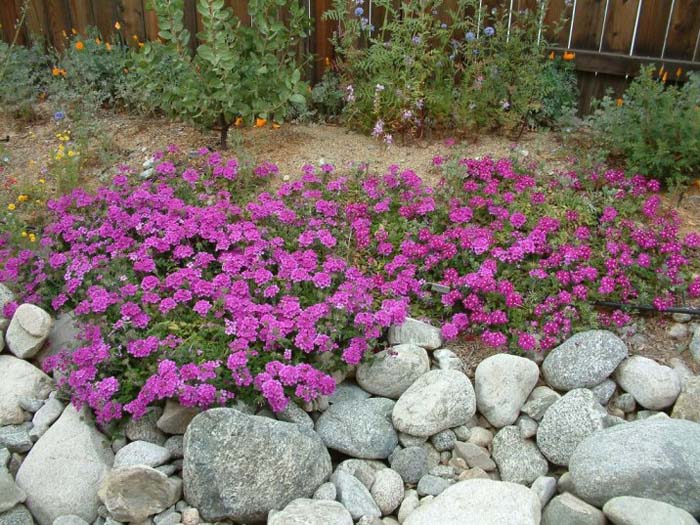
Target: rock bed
[[589, 435]]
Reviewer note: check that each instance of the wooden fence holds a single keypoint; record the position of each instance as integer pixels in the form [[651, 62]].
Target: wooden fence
[[611, 38]]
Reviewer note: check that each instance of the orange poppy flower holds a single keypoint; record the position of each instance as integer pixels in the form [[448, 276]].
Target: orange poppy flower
[[551, 55], [569, 55], [79, 45], [260, 122], [238, 122], [665, 77], [55, 71], [327, 62], [619, 102], [679, 72], [275, 125]]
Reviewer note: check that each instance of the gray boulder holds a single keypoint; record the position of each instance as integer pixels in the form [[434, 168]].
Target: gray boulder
[[655, 458], [348, 391], [567, 508], [134, 493], [146, 428], [584, 360], [387, 490], [175, 417], [446, 359], [326, 491], [390, 372], [518, 459], [10, 493], [354, 496], [28, 330], [63, 470], [223, 446], [311, 512], [437, 400], [17, 515], [15, 438], [479, 502], [541, 398], [604, 391], [359, 429], [295, 414], [411, 463], [19, 379], [569, 421], [141, 453], [502, 383], [413, 331], [653, 386], [70, 519], [628, 510], [430, 485], [687, 405]]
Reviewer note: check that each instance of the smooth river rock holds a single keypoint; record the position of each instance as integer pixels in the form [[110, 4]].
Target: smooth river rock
[[655, 458], [653, 386], [390, 372], [437, 400], [584, 360]]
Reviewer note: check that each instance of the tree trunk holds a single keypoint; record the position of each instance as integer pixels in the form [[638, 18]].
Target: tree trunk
[[223, 139]]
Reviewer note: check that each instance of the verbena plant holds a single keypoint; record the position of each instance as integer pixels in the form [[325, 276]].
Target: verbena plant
[[469, 69], [189, 289], [654, 128], [236, 71]]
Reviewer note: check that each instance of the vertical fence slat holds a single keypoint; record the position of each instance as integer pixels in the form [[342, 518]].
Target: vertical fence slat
[[683, 30], [105, 16], [588, 24], [619, 26], [81, 14], [652, 28], [9, 16], [558, 10], [131, 12], [58, 22]]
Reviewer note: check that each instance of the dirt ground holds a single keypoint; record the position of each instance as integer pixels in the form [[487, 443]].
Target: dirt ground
[[131, 139]]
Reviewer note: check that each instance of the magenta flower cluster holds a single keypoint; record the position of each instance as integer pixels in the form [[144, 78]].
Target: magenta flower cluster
[[186, 291]]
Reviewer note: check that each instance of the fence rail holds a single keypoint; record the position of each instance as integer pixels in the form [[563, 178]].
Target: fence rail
[[611, 38]]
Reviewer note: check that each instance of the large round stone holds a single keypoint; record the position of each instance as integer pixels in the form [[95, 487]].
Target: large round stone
[[390, 372], [19, 379], [656, 458], [29, 328], [64, 469], [567, 422], [311, 512], [360, 429], [415, 332], [240, 467], [584, 360], [628, 510], [502, 383], [479, 502], [518, 459], [437, 400], [653, 386]]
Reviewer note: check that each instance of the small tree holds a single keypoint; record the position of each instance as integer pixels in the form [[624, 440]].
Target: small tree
[[236, 71]]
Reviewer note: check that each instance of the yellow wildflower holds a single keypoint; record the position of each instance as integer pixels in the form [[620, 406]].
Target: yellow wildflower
[[23, 198], [32, 237], [117, 25], [42, 181], [11, 206], [24, 234], [71, 153]]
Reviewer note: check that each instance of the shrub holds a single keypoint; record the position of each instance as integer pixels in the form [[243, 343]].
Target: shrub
[[24, 78], [654, 128], [188, 289], [87, 74], [419, 71], [236, 72]]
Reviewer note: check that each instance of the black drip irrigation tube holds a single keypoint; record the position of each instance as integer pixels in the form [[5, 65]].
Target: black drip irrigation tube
[[649, 308]]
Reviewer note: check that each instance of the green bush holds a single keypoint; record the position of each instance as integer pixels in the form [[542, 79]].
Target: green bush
[[236, 71], [24, 75], [91, 72], [467, 69], [654, 128]]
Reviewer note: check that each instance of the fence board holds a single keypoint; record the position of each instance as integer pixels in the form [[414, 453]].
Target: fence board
[[131, 12], [58, 18], [652, 28], [81, 14], [105, 15], [559, 13], [683, 33], [620, 25], [588, 24], [9, 18]]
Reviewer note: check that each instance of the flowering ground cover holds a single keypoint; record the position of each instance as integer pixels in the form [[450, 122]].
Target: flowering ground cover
[[198, 284]]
